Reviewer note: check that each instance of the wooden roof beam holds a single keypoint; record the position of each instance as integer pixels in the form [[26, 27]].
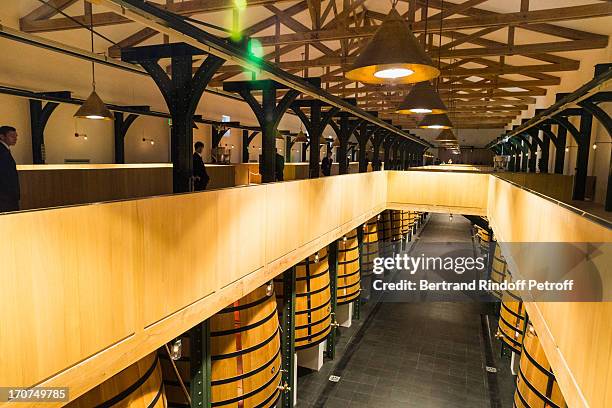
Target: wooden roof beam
[[188, 7], [485, 19]]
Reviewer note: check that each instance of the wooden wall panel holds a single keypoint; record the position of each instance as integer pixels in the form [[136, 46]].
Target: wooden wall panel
[[557, 186], [456, 192], [179, 262], [576, 336], [67, 287], [240, 223], [45, 186], [103, 285]]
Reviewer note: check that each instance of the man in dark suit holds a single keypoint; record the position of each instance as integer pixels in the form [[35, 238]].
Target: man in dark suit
[[279, 167], [200, 175], [326, 164], [9, 179]]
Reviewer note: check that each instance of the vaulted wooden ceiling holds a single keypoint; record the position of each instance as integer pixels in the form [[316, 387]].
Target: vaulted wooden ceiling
[[496, 56]]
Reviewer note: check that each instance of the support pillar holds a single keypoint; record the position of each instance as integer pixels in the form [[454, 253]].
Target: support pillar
[[363, 135], [288, 339], [288, 146], [182, 93], [200, 366], [268, 114], [39, 116], [122, 124], [590, 105], [377, 140], [333, 285], [344, 128], [389, 141], [582, 138], [314, 124]]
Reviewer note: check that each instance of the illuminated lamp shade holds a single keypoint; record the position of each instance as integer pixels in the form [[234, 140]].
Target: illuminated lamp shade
[[301, 138], [94, 108], [393, 56], [440, 121], [323, 140], [446, 135], [422, 98]]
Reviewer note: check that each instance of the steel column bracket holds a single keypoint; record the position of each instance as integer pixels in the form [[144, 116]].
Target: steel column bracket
[[122, 124], [268, 114], [314, 124], [357, 303], [377, 139], [363, 136], [344, 128], [599, 113], [333, 285], [39, 116], [246, 142], [288, 338], [200, 366], [182, 93]]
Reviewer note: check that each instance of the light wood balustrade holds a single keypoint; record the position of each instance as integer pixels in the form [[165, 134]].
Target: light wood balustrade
[[88, 290]]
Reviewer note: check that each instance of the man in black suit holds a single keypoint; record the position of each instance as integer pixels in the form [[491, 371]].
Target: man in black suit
[[279, 167], [326, 164], [200, 175], [9, 179]]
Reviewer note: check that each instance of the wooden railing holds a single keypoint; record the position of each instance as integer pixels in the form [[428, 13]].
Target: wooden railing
[[87, 290]]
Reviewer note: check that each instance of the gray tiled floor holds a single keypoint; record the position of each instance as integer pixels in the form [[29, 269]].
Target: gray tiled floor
[[413, 354]]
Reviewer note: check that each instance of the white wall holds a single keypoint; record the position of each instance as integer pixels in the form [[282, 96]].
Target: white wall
[[35, 69]]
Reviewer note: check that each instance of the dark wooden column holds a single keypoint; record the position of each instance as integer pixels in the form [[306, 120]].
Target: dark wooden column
[[268, 114], [246, 141], [344, 127], [39, 116], [377, 138], [591, 106], [314, 123], [387, 144], [182, 92], [122, 124], [582, 137], [363, 135]]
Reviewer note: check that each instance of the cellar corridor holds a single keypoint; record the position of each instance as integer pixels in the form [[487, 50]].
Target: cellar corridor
[[421, 354]]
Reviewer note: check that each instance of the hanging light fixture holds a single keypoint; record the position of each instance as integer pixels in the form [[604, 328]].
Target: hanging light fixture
[[446, 135], [336, 143], [301, 137], [422, 98], [93, 107], [439, 121], [393, 56]]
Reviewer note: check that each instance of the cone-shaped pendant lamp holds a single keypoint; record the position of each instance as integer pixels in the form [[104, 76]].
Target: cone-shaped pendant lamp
[[94, 108], [422, 98], [446, 135], [440, 121], [393, 56], [301, 137]]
